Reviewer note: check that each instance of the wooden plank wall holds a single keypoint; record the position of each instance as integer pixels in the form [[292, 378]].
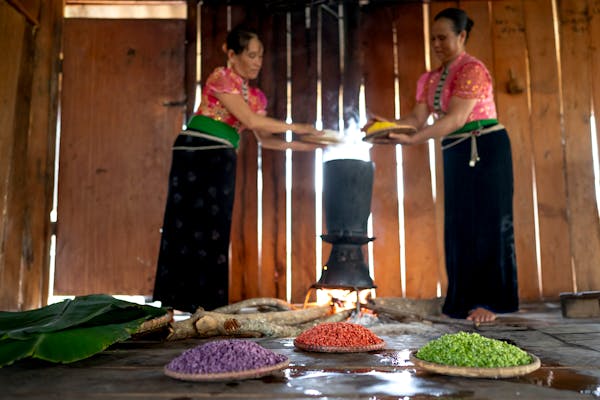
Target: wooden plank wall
[[30, 33], [555, 206], [578, 72], [11, 146], [551, 69], [113, 177], [378, 75]]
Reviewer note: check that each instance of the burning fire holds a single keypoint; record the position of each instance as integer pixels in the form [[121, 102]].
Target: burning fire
[[344, 299]]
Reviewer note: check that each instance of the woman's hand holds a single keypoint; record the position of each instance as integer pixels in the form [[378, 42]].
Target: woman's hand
[[401, 138], [306, 129], [295, 145], [276, 142], [372, 119]]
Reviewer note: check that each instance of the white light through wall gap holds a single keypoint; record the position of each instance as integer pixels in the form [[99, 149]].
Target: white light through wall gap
[[342, 66], [432, 142], [362, 120], [288, 162], [399, 169], [319, 152], [536, 219], [198, 93]]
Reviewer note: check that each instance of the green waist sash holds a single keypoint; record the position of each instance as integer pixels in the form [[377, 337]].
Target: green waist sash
[[474, 125], [216, 128]]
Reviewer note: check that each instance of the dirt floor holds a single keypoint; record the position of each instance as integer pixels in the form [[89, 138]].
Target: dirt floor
[[569, 350]]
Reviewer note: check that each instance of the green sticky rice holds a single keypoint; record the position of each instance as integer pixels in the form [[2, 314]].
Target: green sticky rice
[[464, 349]]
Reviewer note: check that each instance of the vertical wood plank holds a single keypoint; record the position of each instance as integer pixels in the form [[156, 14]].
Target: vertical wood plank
[[351, 76], [331, 80], [273, 82], [594, 7], [40, 157], [214, 33], [244, 267], [191, 44], [510, 57], [273, 273], [576, 77], [304, 107], [11, 67], [19, 238], [480, 37], [547, 148], [330, 69], [419, 210], [377, 51], [435, 8]]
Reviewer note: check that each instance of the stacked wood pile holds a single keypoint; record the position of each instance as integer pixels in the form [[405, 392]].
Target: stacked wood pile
[[276, 318]]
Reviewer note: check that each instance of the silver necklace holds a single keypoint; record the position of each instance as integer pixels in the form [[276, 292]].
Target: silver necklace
[[245, 90]]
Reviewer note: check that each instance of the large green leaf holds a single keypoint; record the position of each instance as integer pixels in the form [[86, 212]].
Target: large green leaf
[[10, 321], [13, 350], [71, 330], [91, 310], [68, 345]]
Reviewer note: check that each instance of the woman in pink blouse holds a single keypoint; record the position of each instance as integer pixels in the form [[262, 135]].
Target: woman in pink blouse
[[478, 176], [193, 262]]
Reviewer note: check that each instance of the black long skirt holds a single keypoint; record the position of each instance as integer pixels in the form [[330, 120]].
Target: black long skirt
[[479, 235], [193, 261]]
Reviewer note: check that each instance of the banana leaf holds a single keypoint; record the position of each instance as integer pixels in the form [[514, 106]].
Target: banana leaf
[[71, 330]]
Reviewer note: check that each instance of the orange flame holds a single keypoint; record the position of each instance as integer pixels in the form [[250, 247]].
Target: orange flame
[[344, 299]]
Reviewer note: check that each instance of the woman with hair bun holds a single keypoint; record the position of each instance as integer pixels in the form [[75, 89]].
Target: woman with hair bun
[[193, 261], [478, 175]]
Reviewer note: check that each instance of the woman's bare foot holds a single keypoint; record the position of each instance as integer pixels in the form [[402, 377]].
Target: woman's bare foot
[[480, 314]]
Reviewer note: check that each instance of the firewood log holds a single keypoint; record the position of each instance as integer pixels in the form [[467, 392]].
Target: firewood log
[[257, 302], [402, 315], [275, 324]]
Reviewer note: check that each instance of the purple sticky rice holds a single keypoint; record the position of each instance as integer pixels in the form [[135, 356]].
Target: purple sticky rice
[[224, 356]]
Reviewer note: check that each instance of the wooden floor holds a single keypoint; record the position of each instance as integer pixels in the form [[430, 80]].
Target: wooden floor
[[568, 348]]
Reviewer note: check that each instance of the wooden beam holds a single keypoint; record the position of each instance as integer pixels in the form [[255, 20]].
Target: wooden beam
[[26, 11]]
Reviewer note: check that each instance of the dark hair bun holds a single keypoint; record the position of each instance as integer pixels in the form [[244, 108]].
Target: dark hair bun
[[239, 37], [460, 19]]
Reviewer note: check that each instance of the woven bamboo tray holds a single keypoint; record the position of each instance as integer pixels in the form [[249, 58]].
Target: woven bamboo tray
[[380, 136], [471, 372], [321, 139], [228, 376], [339, 349]]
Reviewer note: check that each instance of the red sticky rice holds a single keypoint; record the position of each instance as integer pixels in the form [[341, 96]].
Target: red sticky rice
[[338, 334]]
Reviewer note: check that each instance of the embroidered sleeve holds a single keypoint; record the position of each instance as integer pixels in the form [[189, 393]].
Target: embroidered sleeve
[[258, 101], [423, 87], [223, 81], [472, 82]]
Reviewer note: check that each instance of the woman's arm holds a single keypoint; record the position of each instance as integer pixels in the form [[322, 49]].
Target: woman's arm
[[459, 110], [417, 117], [272, 142], [265, 125]]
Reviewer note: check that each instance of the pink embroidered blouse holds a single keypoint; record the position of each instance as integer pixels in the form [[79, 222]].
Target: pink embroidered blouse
[[467, 78], [225, 80]]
